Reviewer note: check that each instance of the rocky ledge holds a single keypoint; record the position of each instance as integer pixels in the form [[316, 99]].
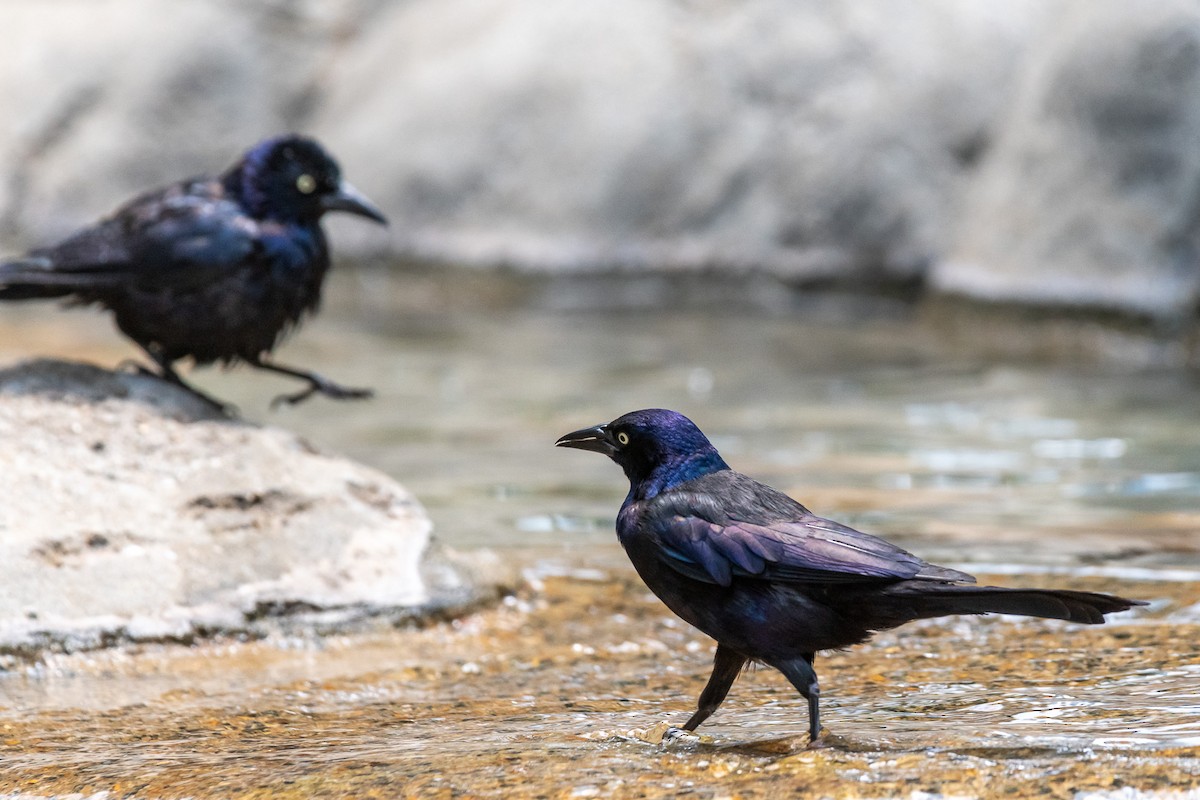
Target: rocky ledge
[[132, 511]]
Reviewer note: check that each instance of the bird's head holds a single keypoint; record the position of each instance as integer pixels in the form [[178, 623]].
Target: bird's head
[[656, 447], [293, 179]]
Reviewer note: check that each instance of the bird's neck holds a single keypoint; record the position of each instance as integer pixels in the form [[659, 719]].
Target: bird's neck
[[240, 187], [245, 185], [671, 472]]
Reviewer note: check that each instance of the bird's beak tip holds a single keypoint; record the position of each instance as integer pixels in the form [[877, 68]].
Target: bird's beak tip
[[352, 201], [594, 439]]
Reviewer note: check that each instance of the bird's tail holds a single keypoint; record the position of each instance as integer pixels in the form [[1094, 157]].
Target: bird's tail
[[918, 599], [34, 278]]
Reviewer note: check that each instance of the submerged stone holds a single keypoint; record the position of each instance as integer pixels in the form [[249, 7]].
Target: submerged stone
[[132, 511]]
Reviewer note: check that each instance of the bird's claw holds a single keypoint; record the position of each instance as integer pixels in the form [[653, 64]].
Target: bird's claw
[[169, 376], [819, 742], [673, 734], [321, 386], [346, 392], [228, 410]]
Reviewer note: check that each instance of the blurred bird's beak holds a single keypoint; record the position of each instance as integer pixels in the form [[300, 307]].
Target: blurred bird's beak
[[595, 439], [352, 201]]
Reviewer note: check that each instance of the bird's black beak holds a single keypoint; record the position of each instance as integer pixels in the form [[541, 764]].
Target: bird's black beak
[[596, 439], [352, 201]]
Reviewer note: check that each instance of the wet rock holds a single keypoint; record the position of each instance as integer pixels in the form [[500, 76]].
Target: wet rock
[[1090, 194], [132, 512]]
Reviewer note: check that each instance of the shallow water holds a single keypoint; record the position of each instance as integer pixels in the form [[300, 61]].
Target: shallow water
[[1079, 472], [562, 692]]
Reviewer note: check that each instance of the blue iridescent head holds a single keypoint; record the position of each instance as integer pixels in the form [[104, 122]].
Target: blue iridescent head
[[657, 448], [293, 179]]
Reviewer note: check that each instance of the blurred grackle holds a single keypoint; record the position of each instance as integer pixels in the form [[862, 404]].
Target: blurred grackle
[[770, 581], [216, 269]]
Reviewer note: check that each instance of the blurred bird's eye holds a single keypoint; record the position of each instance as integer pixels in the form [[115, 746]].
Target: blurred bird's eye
[[623, 438], [306, 183]]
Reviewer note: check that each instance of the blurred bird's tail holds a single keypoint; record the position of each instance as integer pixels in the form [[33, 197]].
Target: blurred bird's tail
[[34, 278], [920, 599]]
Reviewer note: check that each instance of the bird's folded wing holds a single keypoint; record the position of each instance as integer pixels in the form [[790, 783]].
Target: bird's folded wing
[[195, 246], [806, 550], [179, 246]]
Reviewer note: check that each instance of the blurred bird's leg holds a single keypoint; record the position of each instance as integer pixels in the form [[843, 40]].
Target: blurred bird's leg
[[166, 372], [317, 384], [727, 665], [800, 673]]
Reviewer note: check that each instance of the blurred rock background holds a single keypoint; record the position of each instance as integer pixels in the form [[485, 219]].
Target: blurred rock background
[[1040, 152]]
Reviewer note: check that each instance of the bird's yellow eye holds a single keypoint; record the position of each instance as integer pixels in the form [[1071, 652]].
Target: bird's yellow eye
[[623, 438], [306, 183]]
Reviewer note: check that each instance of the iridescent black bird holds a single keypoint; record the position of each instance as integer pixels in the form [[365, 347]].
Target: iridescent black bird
[[766, 578], [215, 269]]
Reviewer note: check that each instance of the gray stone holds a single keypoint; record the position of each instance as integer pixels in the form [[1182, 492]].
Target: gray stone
[[106, 98], [130, 513], [811, 139], [807, 138], [1091, 196], [1032, 151]]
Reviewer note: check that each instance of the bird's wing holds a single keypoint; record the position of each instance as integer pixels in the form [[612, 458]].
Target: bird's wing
[[808, 549], [195, 244], [169, 241]]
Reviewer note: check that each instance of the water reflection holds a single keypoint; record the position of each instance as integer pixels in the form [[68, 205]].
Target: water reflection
[[471, 396], [883, 423]]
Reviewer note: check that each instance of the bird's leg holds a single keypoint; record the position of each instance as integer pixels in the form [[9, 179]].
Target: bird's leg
[[316, 384], [727, 665], [167, 373], [800, 673]]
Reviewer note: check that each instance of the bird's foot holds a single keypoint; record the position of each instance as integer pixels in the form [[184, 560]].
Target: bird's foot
[[672, 735], [228, 410], [663, 733], [822, 740], [319, 385], [169, 376]]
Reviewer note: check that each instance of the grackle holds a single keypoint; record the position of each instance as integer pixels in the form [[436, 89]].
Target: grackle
[[766, 578], [216, 269]]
